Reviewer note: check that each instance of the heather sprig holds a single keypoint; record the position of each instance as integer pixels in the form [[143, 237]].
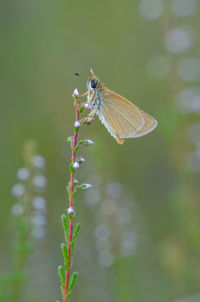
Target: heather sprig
[[29, 219], [67, 278]]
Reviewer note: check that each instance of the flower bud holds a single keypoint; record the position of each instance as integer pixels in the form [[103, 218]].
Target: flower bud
[[88, 106], [81, 160], [85, 186], [75, 165], [70, 210], [89, 142], [77, 124], [90, 119], [75, 93]]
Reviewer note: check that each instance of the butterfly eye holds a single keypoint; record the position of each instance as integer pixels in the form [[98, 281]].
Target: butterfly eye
[[93, 84]]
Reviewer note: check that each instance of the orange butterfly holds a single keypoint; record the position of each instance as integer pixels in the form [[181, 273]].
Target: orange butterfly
[[121, 118]]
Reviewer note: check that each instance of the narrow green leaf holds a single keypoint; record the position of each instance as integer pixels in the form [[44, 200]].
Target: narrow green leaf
[[70, 217], [65, 226], [71, 168], [72, 281], [70, 141], [81, 108], [65, 256], [76, 230], [61, 274], [71, 284], [75, 191], [76, 129], [78, 145], [68, 187], [68, 295]]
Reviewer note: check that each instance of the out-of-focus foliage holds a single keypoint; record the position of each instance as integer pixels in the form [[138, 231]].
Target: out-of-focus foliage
[[28, 221], [146, 196]]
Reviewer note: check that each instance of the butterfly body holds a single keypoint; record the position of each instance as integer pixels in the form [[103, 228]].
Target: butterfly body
[[121, 117], [97, 99]]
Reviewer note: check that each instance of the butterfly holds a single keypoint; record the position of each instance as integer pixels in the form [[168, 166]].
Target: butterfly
[[121, 117]]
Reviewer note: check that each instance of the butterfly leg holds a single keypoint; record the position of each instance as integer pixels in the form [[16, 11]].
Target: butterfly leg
[[89, 118], [92, 113], [92, 99], [82, 95]]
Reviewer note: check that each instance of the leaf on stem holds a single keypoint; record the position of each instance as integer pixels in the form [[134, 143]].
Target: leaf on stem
[[85, 142], [70, 140], [76, 230], [65, 226], [81, 108], [65, 256], [61, 274], [75, 191], [70, 214], [68, 187], [72, 283], [71, 168]]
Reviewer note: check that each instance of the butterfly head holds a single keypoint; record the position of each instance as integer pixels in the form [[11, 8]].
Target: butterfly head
[[93, 82]]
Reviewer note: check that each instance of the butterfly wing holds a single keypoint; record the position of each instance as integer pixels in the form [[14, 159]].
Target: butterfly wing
[[122, 118]]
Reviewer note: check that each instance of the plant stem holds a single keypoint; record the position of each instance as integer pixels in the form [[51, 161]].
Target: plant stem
[[71, 220]]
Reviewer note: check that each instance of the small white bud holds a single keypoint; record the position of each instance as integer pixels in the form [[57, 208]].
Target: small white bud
[[75, 93], [88, 106], [75, 165], [77, 124], [85, 186], [90, 119], [81, 159], [89, 141], [70, 210]]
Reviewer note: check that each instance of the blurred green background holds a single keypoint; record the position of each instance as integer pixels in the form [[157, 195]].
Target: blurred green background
[[140, 224]]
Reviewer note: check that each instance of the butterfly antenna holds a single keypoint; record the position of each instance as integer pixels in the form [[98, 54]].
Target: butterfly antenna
[[77, 74]]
